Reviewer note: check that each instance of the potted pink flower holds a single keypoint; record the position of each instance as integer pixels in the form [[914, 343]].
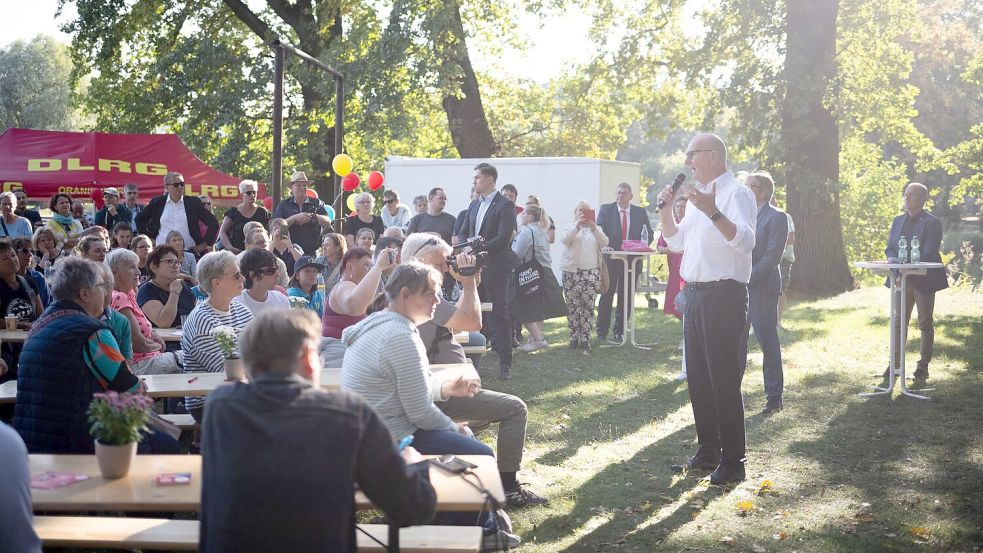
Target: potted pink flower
[[117, 422]]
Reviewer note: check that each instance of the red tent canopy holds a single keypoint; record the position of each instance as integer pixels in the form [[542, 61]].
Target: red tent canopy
[[76, 163]]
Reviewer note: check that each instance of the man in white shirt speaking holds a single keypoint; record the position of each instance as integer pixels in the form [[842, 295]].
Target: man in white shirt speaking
[[717, 235]]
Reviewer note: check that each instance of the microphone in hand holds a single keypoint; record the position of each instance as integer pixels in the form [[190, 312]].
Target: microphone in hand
[[676, 183]]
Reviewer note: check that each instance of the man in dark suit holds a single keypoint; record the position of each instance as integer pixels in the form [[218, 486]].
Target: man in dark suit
[[765, 285], [492, 216], [916, 222], [176, 211], [620, 221]]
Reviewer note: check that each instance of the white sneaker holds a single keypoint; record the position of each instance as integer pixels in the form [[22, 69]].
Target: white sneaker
[[534, 345], [681, 376], [528, 346]]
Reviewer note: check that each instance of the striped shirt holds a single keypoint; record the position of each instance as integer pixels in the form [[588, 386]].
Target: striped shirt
[[201, 351], [386, 363]]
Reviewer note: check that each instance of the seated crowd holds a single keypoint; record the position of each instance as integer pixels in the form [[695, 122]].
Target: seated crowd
[[374, 301]]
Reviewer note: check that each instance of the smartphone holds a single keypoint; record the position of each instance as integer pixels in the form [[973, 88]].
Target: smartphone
[[590, 215], [284, 229], [453, 464]]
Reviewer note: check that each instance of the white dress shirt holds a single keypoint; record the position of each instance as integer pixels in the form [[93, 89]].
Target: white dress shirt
[[483, 206], [709, 256], [174, 218]]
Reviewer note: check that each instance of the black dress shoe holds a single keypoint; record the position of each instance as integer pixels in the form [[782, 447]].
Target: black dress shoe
[[772, 407], [602, 337], [515, 343], [506, 373], [921, 374], [696, 463], [723, 475], [619, 337]]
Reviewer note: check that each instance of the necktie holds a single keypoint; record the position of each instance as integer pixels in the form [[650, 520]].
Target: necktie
[[624, 225]]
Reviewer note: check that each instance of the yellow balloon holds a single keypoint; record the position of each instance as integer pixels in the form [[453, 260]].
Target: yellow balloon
[[342, 164], [350, 202]]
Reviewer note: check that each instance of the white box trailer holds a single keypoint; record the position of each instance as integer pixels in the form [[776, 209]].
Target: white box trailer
[[559, 182]]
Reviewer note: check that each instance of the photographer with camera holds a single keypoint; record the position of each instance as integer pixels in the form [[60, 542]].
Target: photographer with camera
[[486, 407]]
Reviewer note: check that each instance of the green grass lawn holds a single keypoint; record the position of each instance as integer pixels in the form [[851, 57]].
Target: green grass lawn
[[832, 472]]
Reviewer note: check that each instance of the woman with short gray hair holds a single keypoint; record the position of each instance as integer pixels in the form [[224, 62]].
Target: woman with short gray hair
[[147, 344], [232, 233], [219, 277], [363, 218], [11, 224]]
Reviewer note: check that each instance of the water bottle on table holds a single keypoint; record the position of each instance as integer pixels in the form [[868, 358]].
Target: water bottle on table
[[916, 255], [902, 250]]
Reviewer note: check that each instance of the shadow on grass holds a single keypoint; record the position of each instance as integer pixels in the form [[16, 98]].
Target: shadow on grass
[[634, 413], [639, 499], [916, 462]]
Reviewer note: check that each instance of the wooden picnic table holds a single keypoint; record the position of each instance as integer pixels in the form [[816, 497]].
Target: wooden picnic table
[[138, 491], [200, 384], [20, 336]]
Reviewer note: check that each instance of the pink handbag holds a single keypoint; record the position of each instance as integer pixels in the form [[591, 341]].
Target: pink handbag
[[635, 246]]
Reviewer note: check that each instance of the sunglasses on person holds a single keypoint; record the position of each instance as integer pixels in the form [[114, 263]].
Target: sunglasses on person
[[23, 250], [387, 202], [268, 271], [250, 192], [176, 184]]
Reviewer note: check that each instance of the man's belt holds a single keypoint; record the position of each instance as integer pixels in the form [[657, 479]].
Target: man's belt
[[694, 286]]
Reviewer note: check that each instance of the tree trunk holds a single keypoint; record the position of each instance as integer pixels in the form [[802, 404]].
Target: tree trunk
[[465, 114], [812, 147]]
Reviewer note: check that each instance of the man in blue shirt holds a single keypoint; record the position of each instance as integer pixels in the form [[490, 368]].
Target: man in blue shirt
[[306, 216]]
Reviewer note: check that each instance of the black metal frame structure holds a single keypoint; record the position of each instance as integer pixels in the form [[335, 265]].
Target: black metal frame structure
[[280, 50]]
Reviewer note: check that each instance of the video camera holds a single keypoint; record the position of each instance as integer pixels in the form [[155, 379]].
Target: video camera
[[475, 247]]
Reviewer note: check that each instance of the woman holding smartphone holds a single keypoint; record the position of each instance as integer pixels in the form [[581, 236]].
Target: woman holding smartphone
[[581, 262]]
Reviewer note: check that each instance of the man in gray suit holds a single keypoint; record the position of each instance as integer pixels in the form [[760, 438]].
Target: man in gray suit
[[765, 285]]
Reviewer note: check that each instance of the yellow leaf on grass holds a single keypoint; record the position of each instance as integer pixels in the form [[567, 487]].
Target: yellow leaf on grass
[[920, 532], [744, 506], [765, 486]]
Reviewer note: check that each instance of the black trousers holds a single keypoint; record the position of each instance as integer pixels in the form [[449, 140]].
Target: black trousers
[[716, 334], [494, 288]]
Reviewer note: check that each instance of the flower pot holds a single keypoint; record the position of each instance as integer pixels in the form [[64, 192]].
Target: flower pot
[[114, 460], [234, 369]]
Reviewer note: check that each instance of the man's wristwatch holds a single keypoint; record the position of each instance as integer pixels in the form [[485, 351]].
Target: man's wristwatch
[[715, 216]]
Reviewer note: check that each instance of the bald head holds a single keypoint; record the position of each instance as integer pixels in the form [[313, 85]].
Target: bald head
[[706, 155]]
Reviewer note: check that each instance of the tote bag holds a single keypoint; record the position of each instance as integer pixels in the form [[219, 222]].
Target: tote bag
[[536, 294]]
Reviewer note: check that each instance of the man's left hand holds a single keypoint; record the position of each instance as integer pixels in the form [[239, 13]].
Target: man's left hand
[[704, 201]]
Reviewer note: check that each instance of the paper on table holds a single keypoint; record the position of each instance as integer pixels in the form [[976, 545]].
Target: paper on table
[[53, 480]]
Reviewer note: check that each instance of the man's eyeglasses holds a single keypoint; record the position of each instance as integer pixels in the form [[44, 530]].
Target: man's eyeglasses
[[387, 202], [171, 262], [268, 271], [692, 153]]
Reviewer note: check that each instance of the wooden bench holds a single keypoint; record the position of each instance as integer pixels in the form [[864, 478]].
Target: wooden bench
[[182, 535]]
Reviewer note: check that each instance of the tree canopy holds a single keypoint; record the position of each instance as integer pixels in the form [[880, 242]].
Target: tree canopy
[[902, 90]]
